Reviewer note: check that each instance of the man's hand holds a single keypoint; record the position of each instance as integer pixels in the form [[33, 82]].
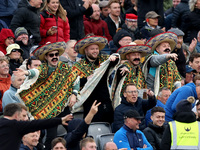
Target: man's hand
[[66, 118], [124, 70], [193, 44], [20, 72], [144, 146], [113, 58], [94, 108], [72, 100], [150, 93], [173, 56]]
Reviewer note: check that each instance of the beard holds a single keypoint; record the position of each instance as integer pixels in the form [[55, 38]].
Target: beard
[[132, 28]]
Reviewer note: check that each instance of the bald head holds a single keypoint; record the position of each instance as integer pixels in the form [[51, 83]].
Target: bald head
[[96, 12], [110, 146]]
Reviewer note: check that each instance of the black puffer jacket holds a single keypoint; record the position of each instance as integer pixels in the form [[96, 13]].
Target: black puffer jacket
[[154, 135], [193, 21], [28, 17], [75, 12], [180, 14]]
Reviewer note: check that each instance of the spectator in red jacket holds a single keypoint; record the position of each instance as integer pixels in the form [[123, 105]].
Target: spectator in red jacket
[[96, 25], [54, 26], [6, 38]]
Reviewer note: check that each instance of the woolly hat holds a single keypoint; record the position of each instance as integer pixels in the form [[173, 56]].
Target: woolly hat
[[131, 17], [119, 35], [185, 105], [19, 31], [177, 31], [155, 32]]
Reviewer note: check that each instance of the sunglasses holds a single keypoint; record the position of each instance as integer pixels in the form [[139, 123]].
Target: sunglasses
[[16, 50], [52, 55]]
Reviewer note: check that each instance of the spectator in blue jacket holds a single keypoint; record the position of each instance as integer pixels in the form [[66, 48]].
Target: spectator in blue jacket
[[129, 136], [190, 89], [130, 100], [163, 95]]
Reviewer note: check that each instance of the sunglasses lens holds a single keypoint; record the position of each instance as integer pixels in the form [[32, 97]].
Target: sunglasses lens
[[56, 54], [51, 55], [14, 50]]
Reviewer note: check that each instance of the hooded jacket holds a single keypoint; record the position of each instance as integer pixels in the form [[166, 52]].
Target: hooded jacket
[[28, 17], [47, 21], [4, 34]]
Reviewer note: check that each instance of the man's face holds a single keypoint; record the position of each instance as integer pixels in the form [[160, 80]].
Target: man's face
[[195, 64], [163, 48], [164, 96], [125, 41], [15, 54], [179, 42], [92, 51], [52, 58], [4, 68], [133, 123], [131, 94], [9, 40], [90, 146], [153, 22], [105, 11], [158, 118], [34, 64], [131, 25], [59, 146], [189, 77], [23, 38], [36, 3], [134, 58], [24, 115], [96, 12], [18, 81], [31, 139], [115, 9], [175, 3], [70, 50]]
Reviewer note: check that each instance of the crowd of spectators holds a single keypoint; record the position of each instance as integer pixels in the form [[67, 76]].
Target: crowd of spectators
[[132, 63]]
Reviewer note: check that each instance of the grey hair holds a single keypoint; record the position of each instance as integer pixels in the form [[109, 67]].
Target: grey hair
[[198, 35], [13, 78], [160, 92], [192, 4], [67, 44]]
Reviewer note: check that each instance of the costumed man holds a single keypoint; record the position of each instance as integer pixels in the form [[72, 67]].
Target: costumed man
[[183, 133], [159, 68], [133, 54], [49, 87], [95, 84]]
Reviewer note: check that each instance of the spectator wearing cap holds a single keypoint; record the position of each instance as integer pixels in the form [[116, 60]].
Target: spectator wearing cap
[[151, 23], [22, 39], [121, 38], [96, 25], [189, 74], [14, 53], [128, 136], [145, 6], [183, 132], [190, 89], [130, 100], [6, 38], [181, 61], [130, 26], [113, 20], [104, 9]]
